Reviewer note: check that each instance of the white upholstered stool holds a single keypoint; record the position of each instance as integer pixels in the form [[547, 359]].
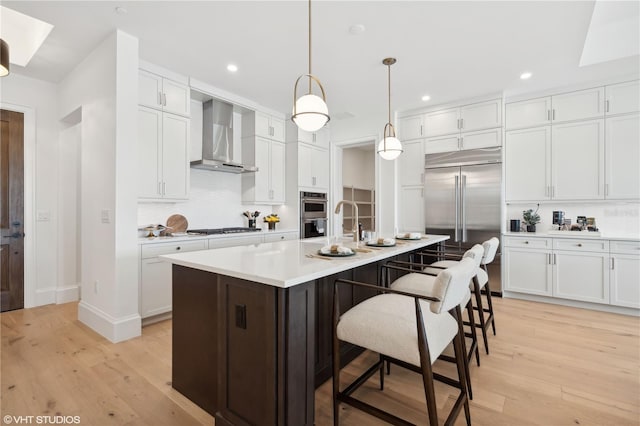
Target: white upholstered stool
[[409, 330]]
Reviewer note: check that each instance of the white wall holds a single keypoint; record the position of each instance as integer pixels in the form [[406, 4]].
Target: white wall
[[41, 97], [358, 168], [105, 86]]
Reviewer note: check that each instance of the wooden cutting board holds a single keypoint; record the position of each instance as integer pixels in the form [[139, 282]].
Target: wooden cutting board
[[177, 223]]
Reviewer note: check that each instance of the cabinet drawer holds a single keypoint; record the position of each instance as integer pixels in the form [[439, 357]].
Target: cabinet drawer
[[153, 250], [580, 245], [235, 241], [626, 247], [270, 238], [527, 242]]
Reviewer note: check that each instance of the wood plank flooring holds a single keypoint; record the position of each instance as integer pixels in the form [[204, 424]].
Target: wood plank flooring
[[549, 365]]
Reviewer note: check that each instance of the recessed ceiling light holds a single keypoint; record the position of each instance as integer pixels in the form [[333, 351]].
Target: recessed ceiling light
[[525, 75], [426, 98], [232, 68], [121, 10], [357, 29]]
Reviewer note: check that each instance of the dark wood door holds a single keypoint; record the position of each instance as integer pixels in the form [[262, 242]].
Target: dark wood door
[[11, 210]]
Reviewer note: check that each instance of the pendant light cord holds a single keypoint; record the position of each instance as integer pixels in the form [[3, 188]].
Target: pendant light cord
[[309, 46], [389, 89]]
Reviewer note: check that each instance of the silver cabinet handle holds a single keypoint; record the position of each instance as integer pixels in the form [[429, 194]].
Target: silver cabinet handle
[[548, 115], [458, 140], [554, 258], [421, 130], [314, 181], [164, 187], [613, 263], [462, 143], [164, 99], [159, 98], [464, 208], [606, 189], [457, 196], [549, 258], [553, 114], [606, 106], [462, 123], [458, 123], [159, 189]]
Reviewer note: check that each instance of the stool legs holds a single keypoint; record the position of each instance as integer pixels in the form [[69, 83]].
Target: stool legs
[[476, 291], [473, 334]]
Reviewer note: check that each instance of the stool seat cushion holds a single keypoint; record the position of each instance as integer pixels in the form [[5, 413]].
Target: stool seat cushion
[[422, 285], [387, 324]]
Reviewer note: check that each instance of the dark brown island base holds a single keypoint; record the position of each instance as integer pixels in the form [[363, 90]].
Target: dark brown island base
[[250, 352]]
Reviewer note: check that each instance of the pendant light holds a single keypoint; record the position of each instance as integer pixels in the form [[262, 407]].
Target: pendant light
[[4, 58], [310, 111], [389, 147]]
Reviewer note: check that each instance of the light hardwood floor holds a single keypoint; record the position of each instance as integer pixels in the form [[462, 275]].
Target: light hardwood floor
[[549, 365]]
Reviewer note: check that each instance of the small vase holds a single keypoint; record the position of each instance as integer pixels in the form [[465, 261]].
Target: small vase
[[272, 226], [531, 228], [252, 223]]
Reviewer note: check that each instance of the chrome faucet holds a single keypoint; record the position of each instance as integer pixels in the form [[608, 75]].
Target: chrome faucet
[[356, 237]]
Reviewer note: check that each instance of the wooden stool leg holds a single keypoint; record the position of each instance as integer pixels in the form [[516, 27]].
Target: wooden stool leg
[[474, 334], [461, 357], [458, 316], [381, 372], [476, 291], [425, 366], [490, 304], [336, 357]]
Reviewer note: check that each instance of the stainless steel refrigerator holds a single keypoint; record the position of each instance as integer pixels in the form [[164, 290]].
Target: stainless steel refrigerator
[[462, 200]]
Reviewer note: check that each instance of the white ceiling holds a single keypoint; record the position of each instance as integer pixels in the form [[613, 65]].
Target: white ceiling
[[449, 50]]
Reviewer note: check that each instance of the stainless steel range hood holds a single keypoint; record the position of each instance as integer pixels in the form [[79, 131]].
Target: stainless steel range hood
[[217, 140]]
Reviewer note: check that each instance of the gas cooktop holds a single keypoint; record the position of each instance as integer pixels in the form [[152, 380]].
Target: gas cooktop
[[222, 231]]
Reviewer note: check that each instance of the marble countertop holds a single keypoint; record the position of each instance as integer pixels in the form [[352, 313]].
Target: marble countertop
[[155, 240], [572, 234], [286, 263]]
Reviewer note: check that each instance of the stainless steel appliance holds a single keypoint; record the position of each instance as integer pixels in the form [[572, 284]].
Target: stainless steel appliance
[[313, 214], [462, 200]]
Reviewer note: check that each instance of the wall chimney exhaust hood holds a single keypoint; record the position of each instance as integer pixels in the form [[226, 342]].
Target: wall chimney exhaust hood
[[217, 140]]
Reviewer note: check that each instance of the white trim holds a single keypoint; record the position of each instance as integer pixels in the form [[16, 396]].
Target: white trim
[[163, 72], [572, 303], [114, 329], [66, 294], [30, 276], [45, 296]]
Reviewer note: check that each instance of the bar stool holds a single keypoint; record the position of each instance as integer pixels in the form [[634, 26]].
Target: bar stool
[[480, 282], [409, 330]]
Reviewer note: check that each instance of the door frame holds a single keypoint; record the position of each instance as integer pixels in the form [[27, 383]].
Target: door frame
[[30, 274]]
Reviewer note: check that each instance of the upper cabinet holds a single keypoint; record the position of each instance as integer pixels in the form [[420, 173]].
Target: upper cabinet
[[264, 125], [267, 185], [155, 91], [319, 138], [622, 151], [529, 113], [622, 98], [468, 118], [442, 122], [411, 164], [411, 128]]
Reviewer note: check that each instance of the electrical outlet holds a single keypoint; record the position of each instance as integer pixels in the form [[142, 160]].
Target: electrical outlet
[[105, 216], [95, 286]]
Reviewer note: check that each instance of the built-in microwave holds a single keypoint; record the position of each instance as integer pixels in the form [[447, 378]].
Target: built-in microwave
[[313, 214]]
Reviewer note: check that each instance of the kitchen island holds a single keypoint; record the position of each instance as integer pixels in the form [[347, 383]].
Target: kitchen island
[[252, 324]]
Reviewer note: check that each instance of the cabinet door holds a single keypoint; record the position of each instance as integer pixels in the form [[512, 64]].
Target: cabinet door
[[483, 115], [410, 128], [321, 138], [411, 164], [625, 276], [442, 144], [262, 176], [580, 105], [175, 156], [622, 98], [305, 169], [581, 276], [263, 125], [245, 240], [149, 89], [277, 129], [275, 237], [411, 209], [320, 166], [527, 160], [155, 287], [481, 139], [529, 113], [528, 271], [149, 153], [277, 172], [442, 122], [622, 151], [577, 160], [177, 97]]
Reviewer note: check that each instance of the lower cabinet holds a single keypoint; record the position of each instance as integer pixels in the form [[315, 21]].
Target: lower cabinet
[[528, 271], [581, 276], [411, 209], [625, 274], [280, 236]]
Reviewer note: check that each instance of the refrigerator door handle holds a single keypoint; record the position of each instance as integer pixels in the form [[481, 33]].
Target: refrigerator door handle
[[457, 197], [464, 208]]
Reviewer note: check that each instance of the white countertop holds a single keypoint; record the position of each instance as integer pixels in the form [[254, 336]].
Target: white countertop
[[573, 234], [285, 263], [155, 240]]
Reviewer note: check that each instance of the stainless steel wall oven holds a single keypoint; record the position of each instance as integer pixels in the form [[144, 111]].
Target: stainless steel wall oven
[[313, 214]]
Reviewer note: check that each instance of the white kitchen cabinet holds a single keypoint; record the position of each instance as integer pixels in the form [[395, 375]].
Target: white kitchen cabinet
[[577, 160], [622, 151], [235, 241], [579, 105], [622, 98], [411, 209], [411, 164], [528, 270], [625, 273], [462, 124], [155, 275], [163, 155], [318, 138], [442, 122], [481, 139], [313, 167], [527, 164], [442, 144], [275, 236], [267, 185], [581, 275], [258, 123], [410, 128], [529, 113], [155, 91], [482, 115]]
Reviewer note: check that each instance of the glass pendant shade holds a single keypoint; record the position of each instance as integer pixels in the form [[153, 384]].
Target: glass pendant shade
[[4, 58], [389, 148], [310, 113]]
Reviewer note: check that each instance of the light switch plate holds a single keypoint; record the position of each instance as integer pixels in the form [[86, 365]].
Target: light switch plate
[[105, 216], [43, 216]]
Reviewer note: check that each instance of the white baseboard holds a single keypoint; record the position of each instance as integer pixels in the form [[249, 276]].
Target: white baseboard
[[45, 296], [66, 294], [114, 329], [573, 303]]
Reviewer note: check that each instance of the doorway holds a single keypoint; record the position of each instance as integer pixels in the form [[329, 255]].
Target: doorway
[[358, 185], [11, 210]]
